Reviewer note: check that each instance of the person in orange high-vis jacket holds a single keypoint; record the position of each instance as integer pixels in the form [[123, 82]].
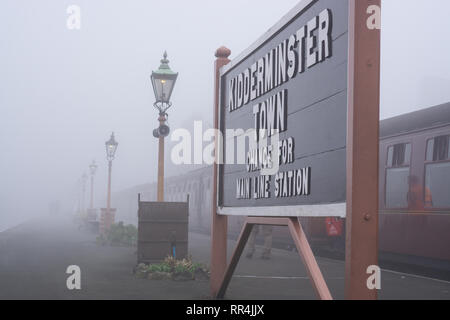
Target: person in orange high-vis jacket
[[417, 199], [428, 198]]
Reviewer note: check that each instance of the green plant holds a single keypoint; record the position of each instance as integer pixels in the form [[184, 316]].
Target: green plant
[[120, 234], [159, 268], [175, 267], [196, 267], [180, 269]]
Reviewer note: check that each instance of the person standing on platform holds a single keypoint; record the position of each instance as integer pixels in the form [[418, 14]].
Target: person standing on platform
[[267, 233]]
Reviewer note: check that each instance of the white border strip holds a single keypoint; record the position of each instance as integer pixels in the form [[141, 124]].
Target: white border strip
[[268, 35], [321, 210]]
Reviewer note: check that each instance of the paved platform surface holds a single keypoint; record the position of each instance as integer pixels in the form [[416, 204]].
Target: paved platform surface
[[34, 257]]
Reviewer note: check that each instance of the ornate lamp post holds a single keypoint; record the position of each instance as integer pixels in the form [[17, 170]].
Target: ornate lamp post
[[111, 147], [107, 218], [83, 192], [163, 81], [93, 169]]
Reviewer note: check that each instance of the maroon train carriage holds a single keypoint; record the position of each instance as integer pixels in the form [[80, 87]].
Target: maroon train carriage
[[414, 198], [415, 184], [414, 195]]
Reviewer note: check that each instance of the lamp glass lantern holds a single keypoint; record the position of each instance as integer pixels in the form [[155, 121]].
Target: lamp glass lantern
[[93, 168], [111, 147], [163, 81]]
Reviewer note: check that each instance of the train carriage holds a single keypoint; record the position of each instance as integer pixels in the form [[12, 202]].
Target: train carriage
[[414, 196], [415, 184]]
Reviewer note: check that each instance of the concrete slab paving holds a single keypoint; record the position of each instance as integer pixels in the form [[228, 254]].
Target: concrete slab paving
[[34, 257]]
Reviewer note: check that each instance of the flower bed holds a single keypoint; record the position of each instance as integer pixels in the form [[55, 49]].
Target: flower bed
[[172, 269]]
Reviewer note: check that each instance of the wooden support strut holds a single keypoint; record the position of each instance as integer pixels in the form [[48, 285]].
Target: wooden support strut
[[296, 230]]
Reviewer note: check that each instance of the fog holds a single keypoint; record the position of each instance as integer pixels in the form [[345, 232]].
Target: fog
[[62, 92]]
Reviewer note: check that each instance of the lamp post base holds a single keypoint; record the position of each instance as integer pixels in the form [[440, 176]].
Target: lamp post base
[[107, 218]]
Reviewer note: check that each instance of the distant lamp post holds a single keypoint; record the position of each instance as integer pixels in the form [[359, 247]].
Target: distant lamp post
[[92, 169], [163, 81], [107, 217], [83, 192]]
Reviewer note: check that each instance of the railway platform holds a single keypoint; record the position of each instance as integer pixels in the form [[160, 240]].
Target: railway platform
[[35, 255]]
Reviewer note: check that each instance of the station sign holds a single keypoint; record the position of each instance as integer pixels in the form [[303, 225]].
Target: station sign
[[283, 118]]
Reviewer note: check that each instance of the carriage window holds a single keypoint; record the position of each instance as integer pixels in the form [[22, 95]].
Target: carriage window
[[399, 155], [437, 173], [438, 149], [397, 175], [397, 188], [430, 148]]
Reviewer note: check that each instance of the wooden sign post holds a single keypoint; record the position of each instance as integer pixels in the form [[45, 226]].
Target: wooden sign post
[[362, 150], [219, 222]]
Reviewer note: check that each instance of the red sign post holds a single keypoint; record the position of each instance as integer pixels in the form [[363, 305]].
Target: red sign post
[[362, 150], [219, 222]]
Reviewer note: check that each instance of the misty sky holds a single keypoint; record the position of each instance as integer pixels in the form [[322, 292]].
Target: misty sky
[[62, 92]]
